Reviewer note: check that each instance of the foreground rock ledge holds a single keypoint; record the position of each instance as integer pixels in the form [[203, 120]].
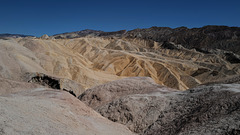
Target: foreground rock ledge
[[39, 110], [207, 109]]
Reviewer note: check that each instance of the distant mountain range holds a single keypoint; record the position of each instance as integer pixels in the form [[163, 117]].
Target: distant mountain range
[[14, 35], [203, 39], [88, 32]]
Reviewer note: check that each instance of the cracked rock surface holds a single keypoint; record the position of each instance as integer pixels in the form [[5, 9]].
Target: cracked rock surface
[[207, 109]]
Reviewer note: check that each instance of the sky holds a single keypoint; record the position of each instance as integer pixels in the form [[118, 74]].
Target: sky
[[38, 17]]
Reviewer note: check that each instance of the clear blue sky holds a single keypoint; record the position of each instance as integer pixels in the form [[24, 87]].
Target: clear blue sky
[[38, 17]]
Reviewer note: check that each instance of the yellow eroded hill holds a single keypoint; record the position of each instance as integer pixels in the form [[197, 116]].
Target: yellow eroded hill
[[95, 60]]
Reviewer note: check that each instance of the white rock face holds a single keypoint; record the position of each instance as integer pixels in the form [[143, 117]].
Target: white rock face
[[38, 110], [45, 36]]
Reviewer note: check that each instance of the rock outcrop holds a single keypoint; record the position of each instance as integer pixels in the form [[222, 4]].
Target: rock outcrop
[[103, 94], [55, 83], [45, 36], [207, 109], [203, 110]]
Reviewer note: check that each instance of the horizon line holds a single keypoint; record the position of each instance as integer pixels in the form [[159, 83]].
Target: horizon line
[[22, 34]]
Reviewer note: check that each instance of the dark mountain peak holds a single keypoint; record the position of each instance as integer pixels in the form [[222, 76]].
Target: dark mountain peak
[[216, 27], [181, 28], [114, 33], [159, 28], [204, 38], [89, 31]]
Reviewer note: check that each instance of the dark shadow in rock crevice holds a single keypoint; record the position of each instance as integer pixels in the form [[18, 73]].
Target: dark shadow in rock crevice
[[46, 81], [55, 83], [71, 92]]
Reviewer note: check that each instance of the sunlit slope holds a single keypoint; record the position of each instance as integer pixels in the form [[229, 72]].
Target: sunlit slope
[[95, 60]]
